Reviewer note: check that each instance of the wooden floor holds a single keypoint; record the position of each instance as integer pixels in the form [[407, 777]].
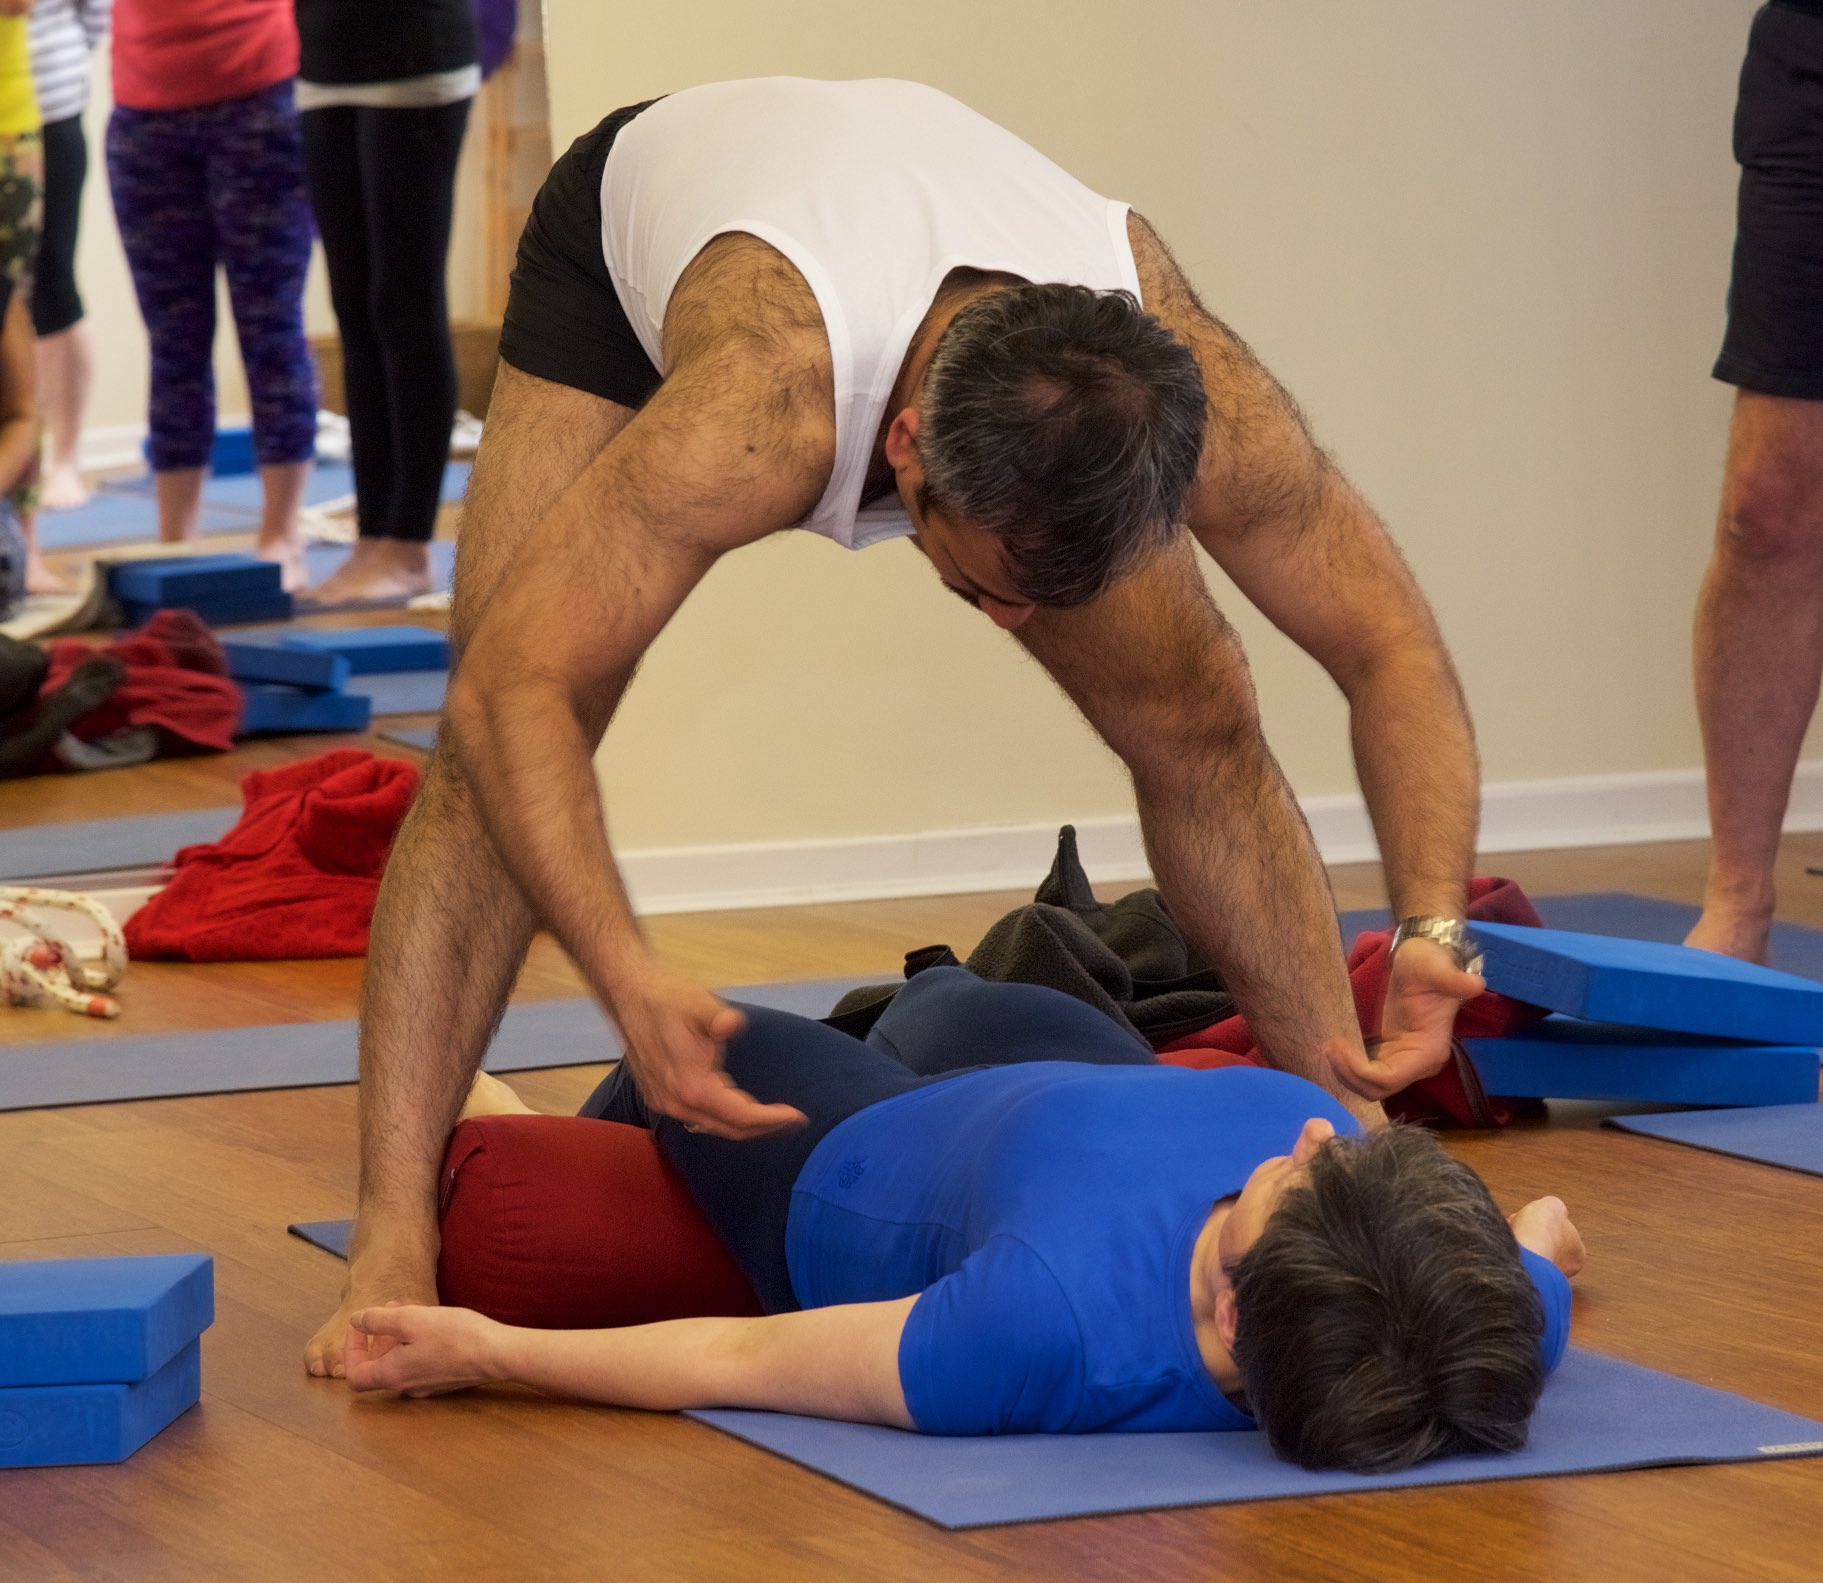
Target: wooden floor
[[1701, 1265]]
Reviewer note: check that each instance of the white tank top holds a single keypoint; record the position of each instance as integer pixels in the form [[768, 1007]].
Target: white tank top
[[875, 191]]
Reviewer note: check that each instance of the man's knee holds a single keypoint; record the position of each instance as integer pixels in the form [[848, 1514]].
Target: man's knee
[[1772, 503]]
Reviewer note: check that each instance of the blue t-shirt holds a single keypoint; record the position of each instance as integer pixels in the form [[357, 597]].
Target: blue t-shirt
[[1047, 1213]]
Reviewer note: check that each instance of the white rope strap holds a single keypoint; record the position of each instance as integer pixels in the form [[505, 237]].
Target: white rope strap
[[41, 964]]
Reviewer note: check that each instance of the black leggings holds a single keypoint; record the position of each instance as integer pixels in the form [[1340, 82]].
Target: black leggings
[[383, 183], [56, 304], [943, 1022]]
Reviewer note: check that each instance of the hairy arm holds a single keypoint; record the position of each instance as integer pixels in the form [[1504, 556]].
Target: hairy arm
[[734, 445], [840, 1362], [1301, 543], [1162, 678]]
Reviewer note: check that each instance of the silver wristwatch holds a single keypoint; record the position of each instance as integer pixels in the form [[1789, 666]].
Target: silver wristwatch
[[1450, 933]]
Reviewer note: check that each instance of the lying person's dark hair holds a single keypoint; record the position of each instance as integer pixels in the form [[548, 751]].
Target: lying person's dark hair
[[1384, 1317]]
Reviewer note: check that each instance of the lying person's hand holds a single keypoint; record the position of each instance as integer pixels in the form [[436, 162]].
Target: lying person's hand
[[1544, 1226], [1423, 992], [420, 1351], [674, 1031]]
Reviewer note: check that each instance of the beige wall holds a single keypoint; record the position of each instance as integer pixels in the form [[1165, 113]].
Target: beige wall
[[1485, 243], [119, 401]]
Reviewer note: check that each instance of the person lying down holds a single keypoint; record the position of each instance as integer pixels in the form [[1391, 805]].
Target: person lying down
[[1002, 1216]]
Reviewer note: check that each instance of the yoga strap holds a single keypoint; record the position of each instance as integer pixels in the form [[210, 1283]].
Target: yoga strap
[[41, 963]]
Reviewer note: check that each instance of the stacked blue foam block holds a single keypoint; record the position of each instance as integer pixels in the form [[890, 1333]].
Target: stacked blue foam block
[[299, 682], [98, 1355], [222, 589], [1641, 1020]]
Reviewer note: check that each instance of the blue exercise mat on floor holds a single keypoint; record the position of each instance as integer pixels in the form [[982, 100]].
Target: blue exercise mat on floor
[[111, 518], [403, 692], [329, 1235], [241, 491], [1598, 1414], [307, 1054], [1790, 1136], [90, 846], [422, 737]]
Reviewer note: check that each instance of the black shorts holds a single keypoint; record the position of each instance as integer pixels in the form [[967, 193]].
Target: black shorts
[[1774, 342], [564, 322]]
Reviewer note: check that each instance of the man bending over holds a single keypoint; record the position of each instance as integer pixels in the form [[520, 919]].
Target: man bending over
[[861, 310]]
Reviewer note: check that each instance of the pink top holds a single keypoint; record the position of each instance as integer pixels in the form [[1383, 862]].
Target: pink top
[[175, 54]]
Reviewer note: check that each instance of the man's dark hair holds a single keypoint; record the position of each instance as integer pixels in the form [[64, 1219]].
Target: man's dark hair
[[1384, 1317], [1068, 423]]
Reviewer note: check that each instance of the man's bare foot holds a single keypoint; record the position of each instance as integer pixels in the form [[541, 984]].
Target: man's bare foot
[[490, 1097], [63, 489], [378, 1274], [1742, 936], [377, 569], [40, 579]]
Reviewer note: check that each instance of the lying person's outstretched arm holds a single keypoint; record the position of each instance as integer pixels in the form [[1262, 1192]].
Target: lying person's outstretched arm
[[839, 1362]]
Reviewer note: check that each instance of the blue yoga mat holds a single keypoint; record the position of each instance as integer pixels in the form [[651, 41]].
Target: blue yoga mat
[[111, 518], [403, 692], [307, 1054], [1598, 1414], [421, 737], [329, 1235], [91, 846], [241, 491], [1785, 1135]]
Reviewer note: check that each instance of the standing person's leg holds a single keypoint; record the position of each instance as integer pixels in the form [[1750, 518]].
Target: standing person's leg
[[1759, 657], [261, 213], [156, 177], [65, 356], [1759, 624], [21, 226], [408, 163], [332, 167], [451, 928]]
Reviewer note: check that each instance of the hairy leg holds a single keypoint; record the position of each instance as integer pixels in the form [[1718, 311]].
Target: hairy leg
[[450, 929], [1759, 657]]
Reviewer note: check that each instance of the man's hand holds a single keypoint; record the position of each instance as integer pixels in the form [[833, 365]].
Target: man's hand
[[674, 1031], [1423, 993], [1544, 1226], [421, 1351]]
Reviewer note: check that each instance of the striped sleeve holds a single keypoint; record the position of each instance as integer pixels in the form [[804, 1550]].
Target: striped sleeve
[[60, 36]]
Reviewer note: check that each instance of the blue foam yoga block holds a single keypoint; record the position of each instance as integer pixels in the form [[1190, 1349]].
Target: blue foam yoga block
[[371, 650], [272, 662], [100, 1321], [1650, 985], [48, 1426], [266, 708], [222, 611], [1564, 1058], [183, 579]]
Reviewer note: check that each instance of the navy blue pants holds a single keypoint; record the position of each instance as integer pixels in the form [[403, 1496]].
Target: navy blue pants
[[943, 1022]]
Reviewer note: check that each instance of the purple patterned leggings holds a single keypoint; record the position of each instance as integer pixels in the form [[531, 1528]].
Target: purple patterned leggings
[[218, 184]]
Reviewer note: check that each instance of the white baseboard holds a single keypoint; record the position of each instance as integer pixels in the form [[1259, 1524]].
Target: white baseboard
[[1517, 816]]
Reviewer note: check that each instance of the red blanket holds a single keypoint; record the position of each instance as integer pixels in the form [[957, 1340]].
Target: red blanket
[[297, 877], [176, 682], [1451, 1098]]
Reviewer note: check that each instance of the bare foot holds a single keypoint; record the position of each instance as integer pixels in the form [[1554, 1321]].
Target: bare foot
[[377, 569], [63, 489], [491, 1097], [289, 554], [1743, 937], [398, 1271], [40, 579]]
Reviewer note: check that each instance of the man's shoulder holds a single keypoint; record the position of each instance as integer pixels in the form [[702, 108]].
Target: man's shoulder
[[739, 289]]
